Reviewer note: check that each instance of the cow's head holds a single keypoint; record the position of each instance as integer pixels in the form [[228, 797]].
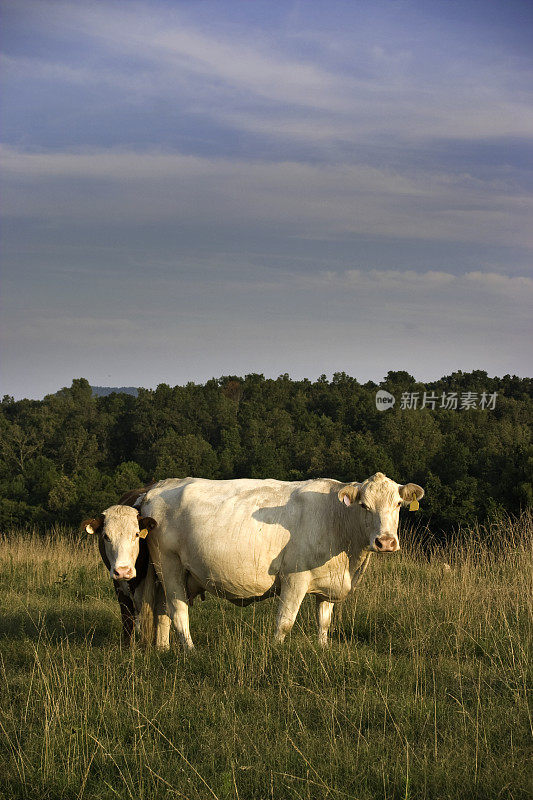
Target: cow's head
[[377, 502], [119, 529]]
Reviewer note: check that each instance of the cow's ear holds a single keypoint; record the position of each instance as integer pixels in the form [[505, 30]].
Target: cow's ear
[[145, 526], [410, 492], [348, 494], [92, 525]]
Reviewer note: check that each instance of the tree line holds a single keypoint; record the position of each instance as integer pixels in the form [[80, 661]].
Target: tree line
[[71, 454]]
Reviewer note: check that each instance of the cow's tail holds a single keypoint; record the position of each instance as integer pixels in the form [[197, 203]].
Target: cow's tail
[[148, 609]]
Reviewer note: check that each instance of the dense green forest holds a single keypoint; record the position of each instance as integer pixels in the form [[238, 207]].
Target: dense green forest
[[72, 453]]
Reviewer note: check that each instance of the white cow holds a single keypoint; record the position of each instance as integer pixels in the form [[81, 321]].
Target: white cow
[[247, 540]]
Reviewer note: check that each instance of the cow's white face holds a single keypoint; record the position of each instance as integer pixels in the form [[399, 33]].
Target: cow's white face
[[120, 528], [377, 502]]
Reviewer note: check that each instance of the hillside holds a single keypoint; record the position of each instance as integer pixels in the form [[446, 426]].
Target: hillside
[[465, 438]]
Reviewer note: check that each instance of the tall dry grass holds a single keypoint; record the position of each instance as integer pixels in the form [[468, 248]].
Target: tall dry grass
[[422, 694]]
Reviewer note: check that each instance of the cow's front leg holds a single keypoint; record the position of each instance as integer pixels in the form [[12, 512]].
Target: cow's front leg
[[324, 612], [138, 595], [127, 613], [293, 591], [172, 576]]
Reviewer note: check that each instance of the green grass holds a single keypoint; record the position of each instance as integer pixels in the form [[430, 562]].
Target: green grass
[[422, 693]]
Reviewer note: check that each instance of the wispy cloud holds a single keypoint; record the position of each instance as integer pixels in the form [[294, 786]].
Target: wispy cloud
[[313, 200], [411, 282], [250, 82], [176, 49], [362, 322]]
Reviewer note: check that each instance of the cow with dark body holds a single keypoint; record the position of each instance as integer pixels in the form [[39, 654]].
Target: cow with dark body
[[122, 544]]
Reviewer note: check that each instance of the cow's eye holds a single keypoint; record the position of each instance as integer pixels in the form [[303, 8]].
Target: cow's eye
[[363, 505], [106, 538], [399, 504]]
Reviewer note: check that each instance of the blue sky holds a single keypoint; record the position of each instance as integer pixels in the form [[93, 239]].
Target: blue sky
[[196, 189]]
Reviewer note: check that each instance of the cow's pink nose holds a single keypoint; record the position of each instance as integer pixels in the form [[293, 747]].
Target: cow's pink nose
[[386, 544], [122, 573]]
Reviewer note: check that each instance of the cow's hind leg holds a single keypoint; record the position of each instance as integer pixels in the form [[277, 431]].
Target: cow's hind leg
[[293, 591], [173, 580], [324, 612], [162, 631]]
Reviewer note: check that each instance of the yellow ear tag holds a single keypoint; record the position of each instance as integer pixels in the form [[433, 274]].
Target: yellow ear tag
[[414, 505], [143, 534]]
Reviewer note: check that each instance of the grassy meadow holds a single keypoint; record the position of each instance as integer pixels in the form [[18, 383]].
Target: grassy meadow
[[422, 693]]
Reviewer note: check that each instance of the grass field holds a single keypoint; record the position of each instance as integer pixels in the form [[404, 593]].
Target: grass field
[[422, 693]]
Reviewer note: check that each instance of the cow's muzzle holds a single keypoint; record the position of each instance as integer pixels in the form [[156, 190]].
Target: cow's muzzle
[[386, 544], [123, 573]]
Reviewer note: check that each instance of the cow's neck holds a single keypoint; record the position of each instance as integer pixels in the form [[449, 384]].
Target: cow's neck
[[358, 566], [356, 548], [351, 538], [349, 528]]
